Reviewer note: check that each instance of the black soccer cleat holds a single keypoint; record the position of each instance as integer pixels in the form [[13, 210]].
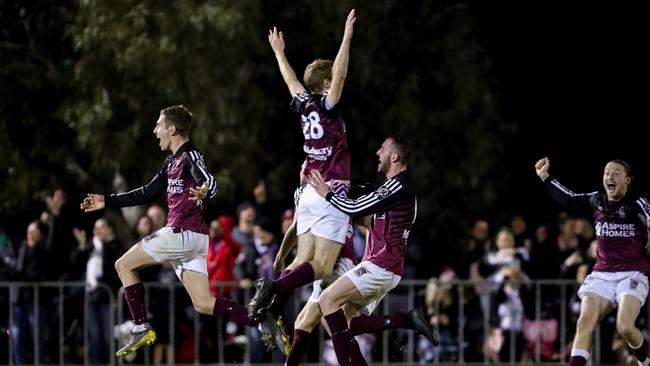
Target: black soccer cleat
[[261, 300], [415, 320]]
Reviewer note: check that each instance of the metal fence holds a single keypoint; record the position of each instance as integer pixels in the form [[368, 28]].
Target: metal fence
[[408, 294]]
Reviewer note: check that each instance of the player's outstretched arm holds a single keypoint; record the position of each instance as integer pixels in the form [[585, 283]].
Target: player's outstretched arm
[[340, 67], [541, 168], [276, 39], [92, 202]]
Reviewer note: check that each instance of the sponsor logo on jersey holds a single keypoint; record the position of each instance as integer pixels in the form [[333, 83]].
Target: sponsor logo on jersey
[[633, 284], [614, 230], [174, 185]]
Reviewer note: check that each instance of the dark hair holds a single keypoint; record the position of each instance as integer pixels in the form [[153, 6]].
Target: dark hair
[[624, 164], [180, 117], [404, 148], [317, 72]]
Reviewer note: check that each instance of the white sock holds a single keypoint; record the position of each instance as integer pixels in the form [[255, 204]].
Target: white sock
[[579, 352], [140, 327]]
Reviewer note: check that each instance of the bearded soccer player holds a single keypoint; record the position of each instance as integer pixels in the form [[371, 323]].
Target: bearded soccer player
[[321, 229], [393, 206], [184, 239], [620, 276]]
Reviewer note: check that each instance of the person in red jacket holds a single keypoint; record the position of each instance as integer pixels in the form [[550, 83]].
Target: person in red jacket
[[222, 252]]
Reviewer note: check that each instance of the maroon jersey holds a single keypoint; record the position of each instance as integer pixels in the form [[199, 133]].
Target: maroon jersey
[[621, 227], [394, 208], [181, 171], [325, 144]]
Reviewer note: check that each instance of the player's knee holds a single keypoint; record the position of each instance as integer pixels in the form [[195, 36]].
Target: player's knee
[[625, 329], [327, 302], [120, 267], [204, 306]]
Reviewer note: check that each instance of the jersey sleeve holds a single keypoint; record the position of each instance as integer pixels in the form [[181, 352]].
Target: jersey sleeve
[[378, 200], [299, 102], [140, 195], [575, 202], [644, 209], [199, 171]]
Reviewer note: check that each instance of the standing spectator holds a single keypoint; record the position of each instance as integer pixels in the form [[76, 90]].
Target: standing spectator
[[30, 267], [100, 257], [245, 269], [222, 253]]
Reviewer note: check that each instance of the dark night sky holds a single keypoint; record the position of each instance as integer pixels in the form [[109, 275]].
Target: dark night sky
[[574, 78]]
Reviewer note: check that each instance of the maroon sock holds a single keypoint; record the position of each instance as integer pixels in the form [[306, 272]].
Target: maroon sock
[[341, 337], [375, 323], [301, 275], [356, 355], [577, 361], [284, 273], [134, 296], [641, 353], [298, 347], [281, 298], [230, 310]]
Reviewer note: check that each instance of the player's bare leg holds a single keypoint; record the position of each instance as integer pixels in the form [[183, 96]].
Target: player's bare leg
[[628, 310], [320, 264], [593, 309], [127, 266]]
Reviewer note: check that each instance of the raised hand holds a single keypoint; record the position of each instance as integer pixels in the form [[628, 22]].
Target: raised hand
[[349, 25], [92, 202], [276, 40], [541, 168]]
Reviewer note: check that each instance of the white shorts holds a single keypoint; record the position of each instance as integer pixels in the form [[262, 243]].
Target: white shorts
[[613, 285], [316, 214], [373, 283], [184, 249]]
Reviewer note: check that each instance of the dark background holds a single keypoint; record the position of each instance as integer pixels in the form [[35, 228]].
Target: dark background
[[483, 88]]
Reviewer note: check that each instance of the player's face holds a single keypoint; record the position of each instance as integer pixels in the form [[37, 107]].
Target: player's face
[[384, 153], [615, 181], [162, 132]]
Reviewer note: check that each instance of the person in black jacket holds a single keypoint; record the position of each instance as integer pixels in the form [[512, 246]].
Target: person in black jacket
[[30, 266], [102, 284]]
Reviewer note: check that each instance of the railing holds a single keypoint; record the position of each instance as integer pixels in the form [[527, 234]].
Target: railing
[[405, 295]]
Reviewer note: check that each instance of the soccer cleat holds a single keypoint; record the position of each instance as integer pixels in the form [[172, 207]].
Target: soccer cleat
[[146, 337], [261, 299], [273, 336], [415, 320]]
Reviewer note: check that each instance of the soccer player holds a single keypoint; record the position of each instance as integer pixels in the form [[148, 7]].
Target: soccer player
[[321, 229], [183, 241], [393, 206], [619, 277]]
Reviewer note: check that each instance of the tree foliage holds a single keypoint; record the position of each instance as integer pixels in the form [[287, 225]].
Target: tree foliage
[[416, 69]]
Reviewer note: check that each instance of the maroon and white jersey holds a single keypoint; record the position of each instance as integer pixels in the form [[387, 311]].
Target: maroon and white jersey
[[394, 207], [181, 171], [621, 226], [326, 143]]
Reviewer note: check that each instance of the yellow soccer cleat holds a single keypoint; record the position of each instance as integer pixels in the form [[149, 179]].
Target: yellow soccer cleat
[[146, 337], [283, 338]]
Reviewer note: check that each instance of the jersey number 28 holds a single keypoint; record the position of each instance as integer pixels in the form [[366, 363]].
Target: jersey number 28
[[311, 128]]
